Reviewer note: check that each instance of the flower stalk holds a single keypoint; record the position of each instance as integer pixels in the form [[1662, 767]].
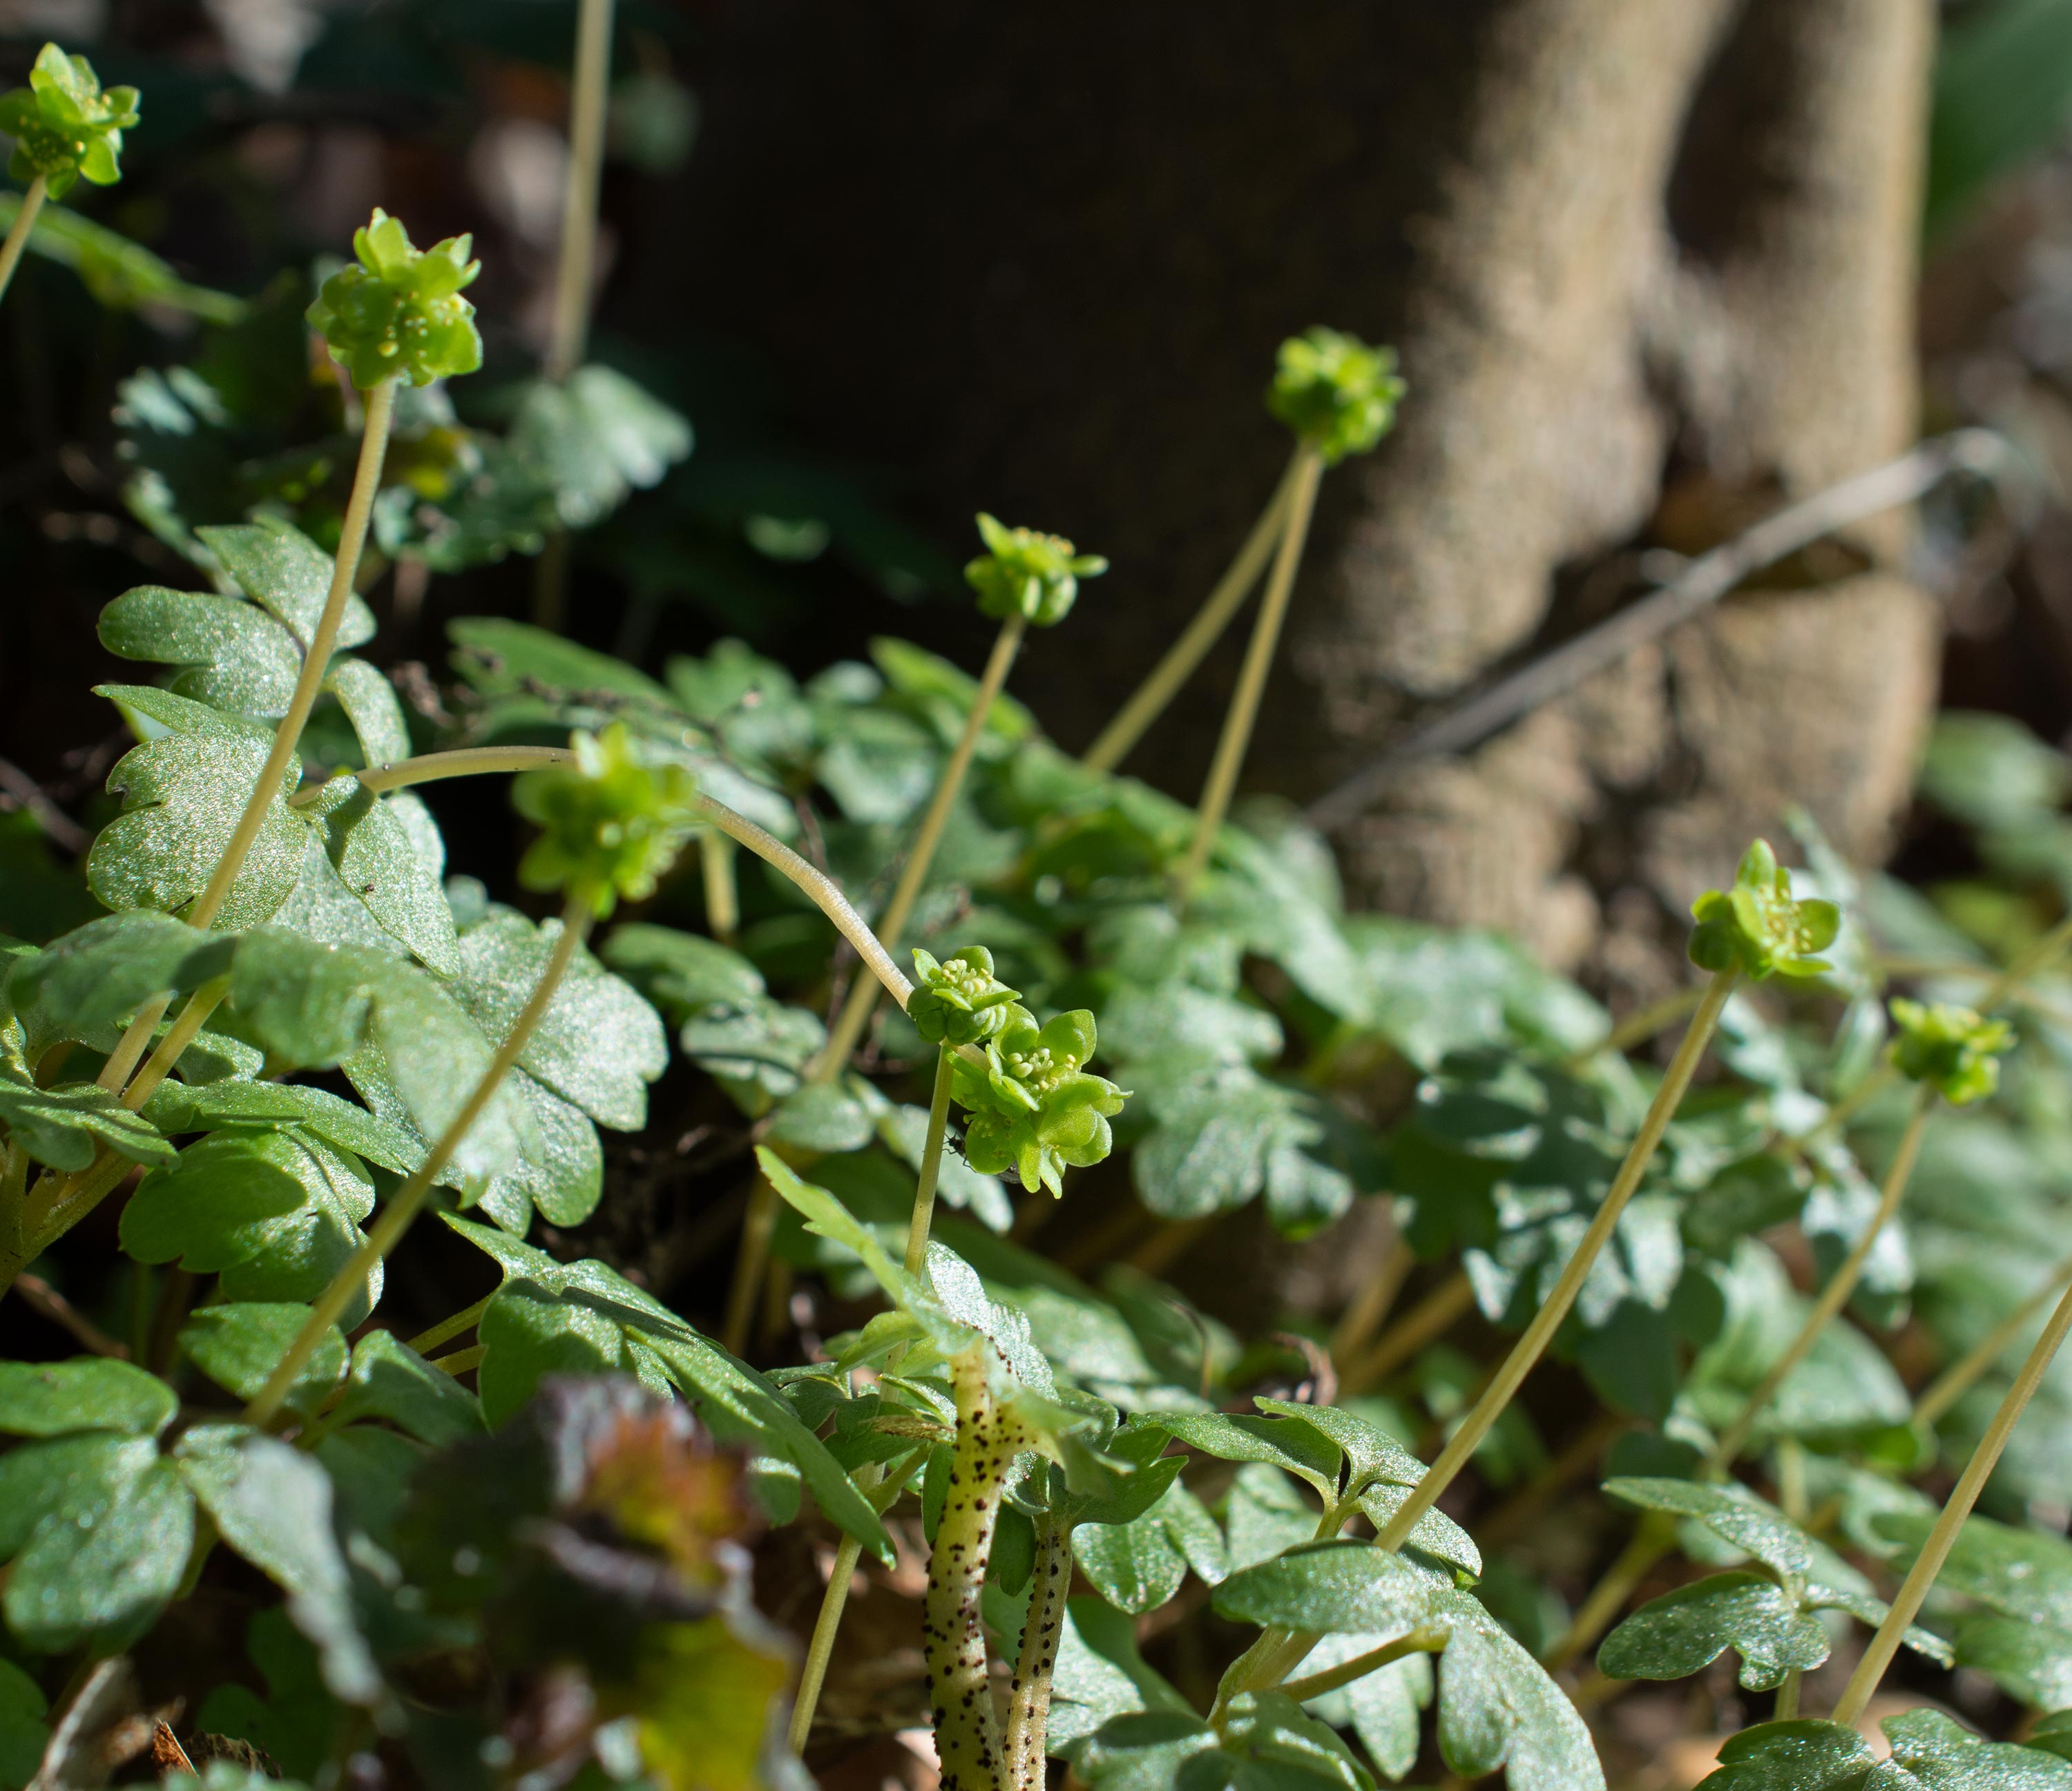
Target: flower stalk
[[18, 234], [408, 1201]]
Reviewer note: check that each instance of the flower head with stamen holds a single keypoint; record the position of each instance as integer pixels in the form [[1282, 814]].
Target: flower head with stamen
[[1953, 1049], [1035, 1109], [1757, 927], [959, 1001], [398, 312], [1022, 572], [1337, 393], [65, 125], [611, 825]]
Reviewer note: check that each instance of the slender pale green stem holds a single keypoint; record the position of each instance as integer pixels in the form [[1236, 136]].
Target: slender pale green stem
[[722, 899], [17, 236], [424, 1343], [316, 655], [1651, 1541], [931, 1164], [135, 1040], [575, 272], [1432, 1315], [821, 889], [1787, 1697], [1115, 741], [404, 1204], [1956, 1381], [856, 1011], [1025, 1765], [1834, 1295], [1877, 1656], [1641, 1025], [1370, 1306], [461, 1361], [1330, 1678], [1529, 1347], [1243, 710]]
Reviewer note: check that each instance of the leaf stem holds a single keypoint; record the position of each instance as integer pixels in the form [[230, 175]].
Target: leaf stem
[[17, 236], [575, 271], [404, 1204], [931, 1163], [1236, 736], [1651, 1542], [1115, 741], [424, 1343], [1330, 1678], [1906, 1606], [1370, 1307], [862, 998], [722, 899], [1834, 1295], [1028, 1702], [1951, 1385], [1529, 1347], [1430, 1317]]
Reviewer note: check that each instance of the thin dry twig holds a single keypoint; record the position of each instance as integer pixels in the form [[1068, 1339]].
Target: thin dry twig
[[1700, 584]]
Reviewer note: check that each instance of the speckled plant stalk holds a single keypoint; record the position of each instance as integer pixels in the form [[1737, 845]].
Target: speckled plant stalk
[[953, 1638], [1028, 1707]]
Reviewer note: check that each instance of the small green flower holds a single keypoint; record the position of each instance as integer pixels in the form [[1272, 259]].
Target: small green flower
[[399, 312], [611, 825], [1338, 394], [1035, 577], [1035, 1109], [959, 1001], [1952, 1049], [1757, 928], [64, 126]]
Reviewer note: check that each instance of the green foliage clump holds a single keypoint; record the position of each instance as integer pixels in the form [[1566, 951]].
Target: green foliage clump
[[65, 125], [1952, 1049], [1757, 927], [398, 314], [958, 1000], [1337, 393], [1026, 574], [610, 824]]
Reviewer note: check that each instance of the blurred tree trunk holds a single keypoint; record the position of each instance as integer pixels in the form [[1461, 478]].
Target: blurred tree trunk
[[1649, 266]]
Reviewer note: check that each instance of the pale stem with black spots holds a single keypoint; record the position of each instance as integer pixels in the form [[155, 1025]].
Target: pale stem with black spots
[[1028, 1692]]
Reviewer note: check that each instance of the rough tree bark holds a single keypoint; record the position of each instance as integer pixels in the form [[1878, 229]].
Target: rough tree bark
[[1650, 270]]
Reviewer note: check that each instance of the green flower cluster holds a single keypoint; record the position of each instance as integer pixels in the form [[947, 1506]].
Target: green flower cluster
[[960, 1001], [64, 126], [1035, 577], [611, 825], [1954, 1051], [399, 312], [1338, 394], [1034, 1106], [1757, 928]]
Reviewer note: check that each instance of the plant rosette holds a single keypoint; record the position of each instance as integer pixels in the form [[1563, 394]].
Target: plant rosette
[[1027, 574], [398, 313], [65, 125], [611, 826], [1338, 395], [1758, 928], [1952, 1049], [1036, 1109]]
